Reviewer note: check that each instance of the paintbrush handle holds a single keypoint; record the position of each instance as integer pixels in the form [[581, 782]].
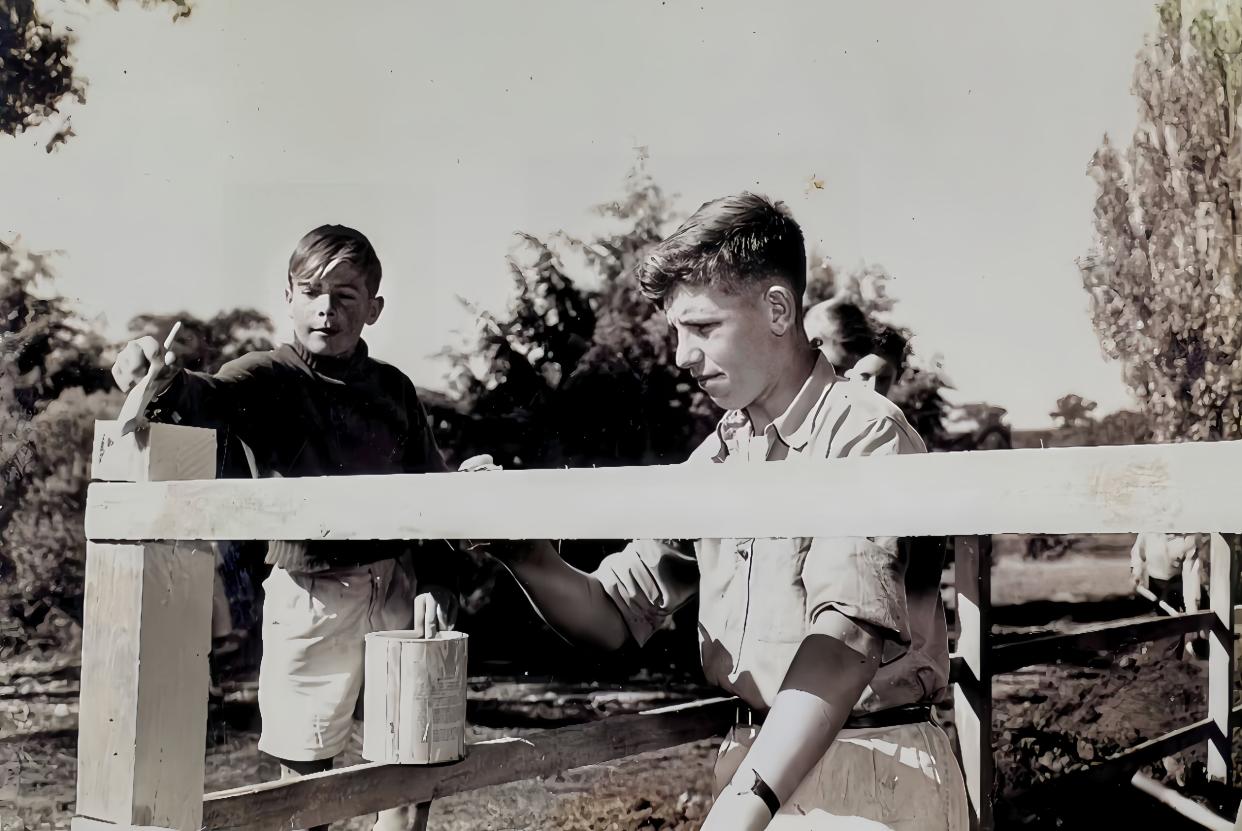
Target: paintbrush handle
[[139, 398]]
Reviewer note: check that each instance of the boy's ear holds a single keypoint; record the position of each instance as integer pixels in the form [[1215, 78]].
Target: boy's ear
[[288, 294], [782, 309], [377, 306]]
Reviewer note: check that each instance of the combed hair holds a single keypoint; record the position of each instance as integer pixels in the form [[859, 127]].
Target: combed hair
[[329, 245], [732, 244]]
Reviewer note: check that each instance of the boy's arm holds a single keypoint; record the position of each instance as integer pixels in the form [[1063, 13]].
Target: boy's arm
[[631, 594], [437, 566], [1192, 571], [824, 681], [195, 398], [236, 397], [572, 602], [856, 603], [1138, 568], [421, 453]]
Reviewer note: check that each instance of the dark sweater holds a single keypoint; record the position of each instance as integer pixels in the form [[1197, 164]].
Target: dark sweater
[[303, 415]]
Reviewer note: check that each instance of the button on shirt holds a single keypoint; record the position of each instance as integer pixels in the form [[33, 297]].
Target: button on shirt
[[758, 598]]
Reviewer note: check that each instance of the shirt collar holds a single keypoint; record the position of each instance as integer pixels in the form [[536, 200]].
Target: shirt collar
[[796, 425]]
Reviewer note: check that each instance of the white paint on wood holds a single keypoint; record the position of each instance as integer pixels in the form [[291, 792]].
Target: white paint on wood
[[415, 698], [142, 723], [155, 453], [1183, 487], [1221, 584], [969, 640], [972, 694]]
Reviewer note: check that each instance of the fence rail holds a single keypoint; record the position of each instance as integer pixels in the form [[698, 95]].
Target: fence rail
[[149, 583]]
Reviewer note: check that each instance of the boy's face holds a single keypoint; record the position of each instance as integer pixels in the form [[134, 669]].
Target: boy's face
[[875, 372], [330, 312], [728, 343]]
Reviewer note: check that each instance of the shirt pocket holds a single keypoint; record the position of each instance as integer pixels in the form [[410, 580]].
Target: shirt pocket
[[777, 597]]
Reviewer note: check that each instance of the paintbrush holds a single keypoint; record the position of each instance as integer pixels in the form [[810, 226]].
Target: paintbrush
[[133, 412]]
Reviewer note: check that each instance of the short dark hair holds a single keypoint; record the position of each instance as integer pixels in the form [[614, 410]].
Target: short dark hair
[[893, 347], [850, 332], [731, 244], [328, 245]]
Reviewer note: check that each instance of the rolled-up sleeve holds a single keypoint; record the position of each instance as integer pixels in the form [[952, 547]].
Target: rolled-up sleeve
[[858, 581], [649, 580], [861, 583]]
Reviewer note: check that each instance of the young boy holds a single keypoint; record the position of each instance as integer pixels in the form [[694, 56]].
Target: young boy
[[883, 366], [818, 637], [319, 406]]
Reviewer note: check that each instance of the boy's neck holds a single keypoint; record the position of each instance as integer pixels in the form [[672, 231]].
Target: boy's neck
[[331, 364], [784, 389]]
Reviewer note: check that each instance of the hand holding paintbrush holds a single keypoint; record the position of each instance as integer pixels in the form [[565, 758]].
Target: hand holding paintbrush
[[143, 369]]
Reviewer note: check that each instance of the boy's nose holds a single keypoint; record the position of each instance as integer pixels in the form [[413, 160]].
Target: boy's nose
[[687, 356]]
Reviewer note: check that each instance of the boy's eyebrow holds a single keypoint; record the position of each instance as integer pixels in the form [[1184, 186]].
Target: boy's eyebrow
[[698, 319]]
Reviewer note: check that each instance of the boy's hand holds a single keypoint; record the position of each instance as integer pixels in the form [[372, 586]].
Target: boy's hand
[[136, 359], [435, 611], [478, 463]]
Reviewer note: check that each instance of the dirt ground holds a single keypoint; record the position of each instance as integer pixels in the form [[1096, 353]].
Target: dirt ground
[[1047, 720]]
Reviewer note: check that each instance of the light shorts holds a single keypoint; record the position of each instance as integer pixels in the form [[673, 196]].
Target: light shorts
[[902, 778], [314, 630]]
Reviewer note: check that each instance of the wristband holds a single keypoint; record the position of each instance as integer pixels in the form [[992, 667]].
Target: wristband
[[764, 791]]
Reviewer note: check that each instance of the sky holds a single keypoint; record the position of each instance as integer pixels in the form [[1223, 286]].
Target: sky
[[952, 141]]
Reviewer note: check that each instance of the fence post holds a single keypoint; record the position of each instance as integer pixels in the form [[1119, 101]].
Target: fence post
[[972, 694], [1222, 583], [142, 719]]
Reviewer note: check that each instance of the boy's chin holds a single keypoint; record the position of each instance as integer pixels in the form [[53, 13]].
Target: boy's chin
[[322, 346]]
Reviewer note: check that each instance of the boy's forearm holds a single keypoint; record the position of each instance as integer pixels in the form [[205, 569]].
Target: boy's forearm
[[189, 398], [572, 602], [824, 682]]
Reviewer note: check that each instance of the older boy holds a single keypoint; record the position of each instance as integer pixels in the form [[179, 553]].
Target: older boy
[[816, 636], [319, 406]]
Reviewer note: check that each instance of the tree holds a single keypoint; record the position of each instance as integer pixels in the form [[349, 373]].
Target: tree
[[1163, 273], [46, 349], [821, 280], [206, 345], [44, 541], [865, 289], [52, 387], [1121, 427], [919, 395], [1073, 411], [37, 72], [580, 369]]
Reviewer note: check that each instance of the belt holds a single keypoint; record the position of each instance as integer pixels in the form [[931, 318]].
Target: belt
[[892, 717]]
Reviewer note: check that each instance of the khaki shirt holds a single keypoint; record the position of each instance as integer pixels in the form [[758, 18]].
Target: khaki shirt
[[758, 598]]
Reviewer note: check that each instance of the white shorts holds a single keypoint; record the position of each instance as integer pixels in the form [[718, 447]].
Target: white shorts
[[902, 778], [314, 626]]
